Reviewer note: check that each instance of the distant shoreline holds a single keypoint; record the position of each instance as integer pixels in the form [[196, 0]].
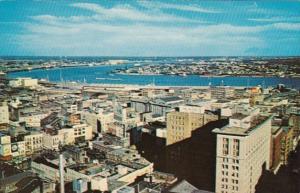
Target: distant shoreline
[[140, 74], [56, 67], [208, 76]]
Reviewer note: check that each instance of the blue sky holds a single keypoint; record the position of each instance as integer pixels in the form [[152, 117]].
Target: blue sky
[[149, 28]]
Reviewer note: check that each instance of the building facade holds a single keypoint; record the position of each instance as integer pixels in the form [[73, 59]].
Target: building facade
[[181, 124], [4, 114], [243, 148]]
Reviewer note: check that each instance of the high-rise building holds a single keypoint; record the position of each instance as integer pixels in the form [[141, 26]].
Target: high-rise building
[[243, 149], [181, 124]]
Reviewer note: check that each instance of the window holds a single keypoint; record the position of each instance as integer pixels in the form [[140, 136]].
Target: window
[[236, 147], [225, 146]]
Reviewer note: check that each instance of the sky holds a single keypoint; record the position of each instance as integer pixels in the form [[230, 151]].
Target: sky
[[149, 28]]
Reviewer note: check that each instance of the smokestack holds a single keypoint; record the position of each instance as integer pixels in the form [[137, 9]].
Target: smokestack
[[61, 173]]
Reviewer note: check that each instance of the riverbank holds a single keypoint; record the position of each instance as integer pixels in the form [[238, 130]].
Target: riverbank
[[102, 75], [206, 76]]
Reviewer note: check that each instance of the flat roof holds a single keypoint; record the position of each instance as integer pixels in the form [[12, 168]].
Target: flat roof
[[239, 116], [230, 130]]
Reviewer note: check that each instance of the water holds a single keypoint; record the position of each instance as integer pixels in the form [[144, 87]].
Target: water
[[102, 75]]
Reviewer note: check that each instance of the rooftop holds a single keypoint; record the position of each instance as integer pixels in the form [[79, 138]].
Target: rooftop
[[232, 130], [239, 116], [170, 99], [184, 186]]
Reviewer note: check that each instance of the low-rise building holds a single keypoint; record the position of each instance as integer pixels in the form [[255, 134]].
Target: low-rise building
[[33, 142], [221, 92], [23, 82], [4, 114]]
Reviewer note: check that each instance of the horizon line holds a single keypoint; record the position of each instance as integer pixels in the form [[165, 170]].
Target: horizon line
[[287, 56]]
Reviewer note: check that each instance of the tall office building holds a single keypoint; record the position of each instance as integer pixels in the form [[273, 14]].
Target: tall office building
[[181, 124], [243, 149]]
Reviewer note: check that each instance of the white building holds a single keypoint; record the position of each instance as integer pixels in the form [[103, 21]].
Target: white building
[[95, 118], [90, 118], [243, 148], [33, 142], [72, 133], [68, 136], [84, 131], [192, 109], [4, 114], [18, 149], [221, 92], [53, 141], [8, 149], [33, 119], [5, 147], [24, 82]]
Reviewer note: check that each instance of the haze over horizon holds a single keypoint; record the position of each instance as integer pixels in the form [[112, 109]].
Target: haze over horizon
[[149, 28]]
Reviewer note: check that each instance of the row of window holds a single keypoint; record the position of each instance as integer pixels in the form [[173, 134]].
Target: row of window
[[227, 160], [236, 147], [225, 186], [225, 166]]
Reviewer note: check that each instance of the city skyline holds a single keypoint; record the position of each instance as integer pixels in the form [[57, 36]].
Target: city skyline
[[144, 28]]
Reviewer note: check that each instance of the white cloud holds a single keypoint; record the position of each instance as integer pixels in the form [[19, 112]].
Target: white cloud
[[193, 8], [287, 26], [128, 12], [52, 35], [102, 33], [276, 19]]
